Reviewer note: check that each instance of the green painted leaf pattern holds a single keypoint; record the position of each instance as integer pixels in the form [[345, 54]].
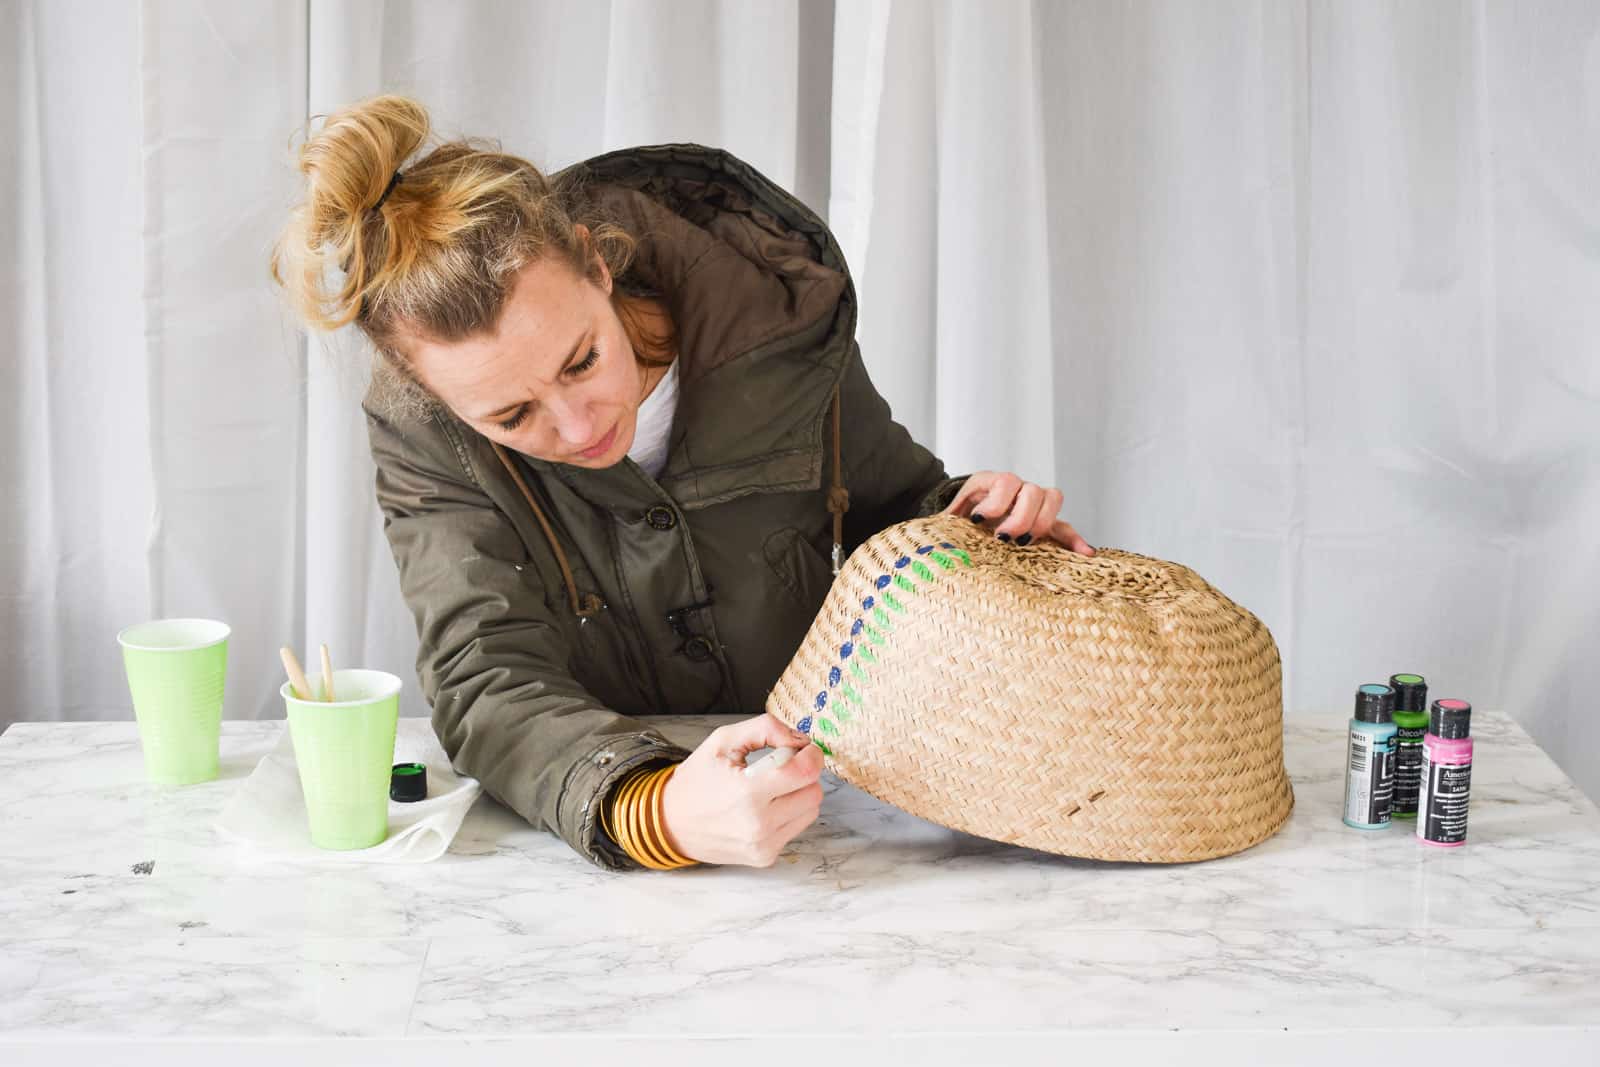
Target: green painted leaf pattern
[[844, 709]]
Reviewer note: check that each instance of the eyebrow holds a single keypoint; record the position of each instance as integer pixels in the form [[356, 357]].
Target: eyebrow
[[514, 405]]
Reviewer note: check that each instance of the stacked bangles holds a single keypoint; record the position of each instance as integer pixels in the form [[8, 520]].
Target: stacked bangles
[[633, 820]]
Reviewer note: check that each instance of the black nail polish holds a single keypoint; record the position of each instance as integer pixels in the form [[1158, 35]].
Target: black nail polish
[[1004, 537], [1024, 539], [976, 517]]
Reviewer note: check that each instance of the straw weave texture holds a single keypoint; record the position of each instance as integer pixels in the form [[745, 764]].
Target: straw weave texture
[[1114, 707]]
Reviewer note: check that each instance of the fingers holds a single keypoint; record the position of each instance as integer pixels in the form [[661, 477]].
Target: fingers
[[1046, 519], [1063, 533], [1019, 512], [738, 739], [996, 501], [1024, 513], [801, 771], [972, 489], [806, 800], [800, 811]]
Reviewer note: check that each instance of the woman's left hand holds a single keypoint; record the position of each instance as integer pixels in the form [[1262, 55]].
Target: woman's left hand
[[1016, 510]]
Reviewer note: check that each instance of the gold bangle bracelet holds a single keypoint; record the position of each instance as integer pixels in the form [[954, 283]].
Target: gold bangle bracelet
[[661, 822], [651, 811], [608, 813], [617, 824], [629, 826], [638, 828], [635, 820]]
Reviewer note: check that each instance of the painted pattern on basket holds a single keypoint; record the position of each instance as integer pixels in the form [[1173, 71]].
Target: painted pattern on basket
[[940, 654], [867, 630]]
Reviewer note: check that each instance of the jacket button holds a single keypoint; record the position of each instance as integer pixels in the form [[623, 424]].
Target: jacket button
[[661, 517], [698, 649]]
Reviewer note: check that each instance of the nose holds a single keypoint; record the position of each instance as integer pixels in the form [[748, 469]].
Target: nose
[[575, 425]]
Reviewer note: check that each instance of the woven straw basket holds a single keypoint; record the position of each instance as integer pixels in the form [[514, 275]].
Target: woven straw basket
[[1114, 706]]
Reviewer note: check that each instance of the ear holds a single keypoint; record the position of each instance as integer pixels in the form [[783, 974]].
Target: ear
[[605, 272]]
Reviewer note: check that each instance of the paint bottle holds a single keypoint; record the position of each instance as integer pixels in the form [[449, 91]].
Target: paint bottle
[[1446, 775], [1411, 722], [1369, 766]]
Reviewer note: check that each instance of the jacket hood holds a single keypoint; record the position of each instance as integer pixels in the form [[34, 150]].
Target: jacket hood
[[765, 311]]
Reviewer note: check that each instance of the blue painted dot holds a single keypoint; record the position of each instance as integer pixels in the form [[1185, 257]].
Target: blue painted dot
[[833, 676], [845, 650], [867, 603], [804, 725], [924, 550], [901, 562], [946, 544], [883, 581], [822, 701], [855, 628]]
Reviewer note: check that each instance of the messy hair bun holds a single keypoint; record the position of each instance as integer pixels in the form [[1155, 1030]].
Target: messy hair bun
[[439, 257]]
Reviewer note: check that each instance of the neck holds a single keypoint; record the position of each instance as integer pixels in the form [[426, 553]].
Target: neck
[[651, 377]]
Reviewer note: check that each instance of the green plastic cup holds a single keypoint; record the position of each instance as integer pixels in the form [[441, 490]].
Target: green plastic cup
[[345, 753], [176, 671]]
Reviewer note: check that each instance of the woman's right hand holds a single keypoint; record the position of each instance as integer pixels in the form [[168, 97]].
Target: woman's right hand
[[715, 813]]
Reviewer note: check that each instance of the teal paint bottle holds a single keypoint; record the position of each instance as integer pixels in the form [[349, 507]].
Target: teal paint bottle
[[1369, 763], [1411, 722]]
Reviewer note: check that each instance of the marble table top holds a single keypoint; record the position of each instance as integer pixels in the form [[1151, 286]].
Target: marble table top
[[124, 919]]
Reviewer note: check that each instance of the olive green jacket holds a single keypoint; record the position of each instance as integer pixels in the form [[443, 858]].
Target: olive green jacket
[[682, 594]]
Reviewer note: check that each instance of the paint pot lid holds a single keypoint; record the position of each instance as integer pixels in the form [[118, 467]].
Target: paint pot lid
[[1410, 692], [1374, 703], [408, 782], [1450, 720]]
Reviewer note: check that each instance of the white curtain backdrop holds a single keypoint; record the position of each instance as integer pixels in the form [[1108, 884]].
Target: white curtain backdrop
[[1303, 295]]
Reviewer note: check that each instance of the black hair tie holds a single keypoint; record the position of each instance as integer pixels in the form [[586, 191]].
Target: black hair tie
[[394, 181]]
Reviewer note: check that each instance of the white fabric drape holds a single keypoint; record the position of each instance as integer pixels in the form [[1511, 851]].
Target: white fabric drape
[[1300, 294]]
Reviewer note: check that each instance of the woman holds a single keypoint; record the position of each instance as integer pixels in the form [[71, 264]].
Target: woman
[[602, 411]]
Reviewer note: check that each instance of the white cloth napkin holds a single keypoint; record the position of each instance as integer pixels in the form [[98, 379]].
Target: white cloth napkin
[[267, 816]]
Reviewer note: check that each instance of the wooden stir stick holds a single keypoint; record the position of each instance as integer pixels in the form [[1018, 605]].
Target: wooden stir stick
[[327, 676], [297, 677]]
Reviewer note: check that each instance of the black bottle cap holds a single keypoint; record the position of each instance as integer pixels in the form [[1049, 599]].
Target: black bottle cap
[[1410, 691], [408, 782], [1375, 703], [1450, 719]]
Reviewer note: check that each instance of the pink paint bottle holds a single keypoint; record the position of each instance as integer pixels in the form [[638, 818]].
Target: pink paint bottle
[[1446, 775]]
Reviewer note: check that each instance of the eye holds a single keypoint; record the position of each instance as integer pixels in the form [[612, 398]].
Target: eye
[[574, 371]]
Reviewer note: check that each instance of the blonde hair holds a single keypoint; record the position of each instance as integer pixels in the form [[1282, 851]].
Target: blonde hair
[[440, 256]]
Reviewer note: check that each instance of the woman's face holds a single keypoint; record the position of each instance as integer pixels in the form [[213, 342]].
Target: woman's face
[[557, 380]]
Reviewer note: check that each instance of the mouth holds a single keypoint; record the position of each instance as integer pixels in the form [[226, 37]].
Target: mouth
[[595, 451]]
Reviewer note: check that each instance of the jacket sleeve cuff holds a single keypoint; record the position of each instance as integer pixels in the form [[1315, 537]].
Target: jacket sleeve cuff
[[589, 784], [938, 498]]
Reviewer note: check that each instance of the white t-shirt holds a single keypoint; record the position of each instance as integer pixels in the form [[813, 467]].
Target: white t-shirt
[[654, 426]]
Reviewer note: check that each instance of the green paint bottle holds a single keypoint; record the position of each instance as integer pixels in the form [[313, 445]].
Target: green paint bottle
[[1411, 717]]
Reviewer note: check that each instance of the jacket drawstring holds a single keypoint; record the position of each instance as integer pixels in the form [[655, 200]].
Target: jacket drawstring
[[589, 605], [838, 496], [838, 504]]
